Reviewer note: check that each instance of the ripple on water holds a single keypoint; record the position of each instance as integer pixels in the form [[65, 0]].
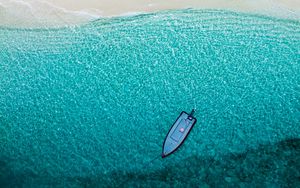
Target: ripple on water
[[96, 97]]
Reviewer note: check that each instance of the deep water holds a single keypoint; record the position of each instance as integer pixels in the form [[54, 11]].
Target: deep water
[[90, 105]]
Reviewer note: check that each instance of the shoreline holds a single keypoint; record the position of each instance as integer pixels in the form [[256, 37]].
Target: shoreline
[[55, 13]]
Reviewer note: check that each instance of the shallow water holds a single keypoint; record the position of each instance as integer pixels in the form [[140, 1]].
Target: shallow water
[[96, 100]]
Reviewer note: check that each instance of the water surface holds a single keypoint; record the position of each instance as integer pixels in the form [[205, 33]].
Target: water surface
[[96, 100]]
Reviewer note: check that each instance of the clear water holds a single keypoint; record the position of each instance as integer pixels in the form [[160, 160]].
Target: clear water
[[89, 106]]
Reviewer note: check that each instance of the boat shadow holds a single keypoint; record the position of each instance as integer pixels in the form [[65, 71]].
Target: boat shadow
[[276, 165]]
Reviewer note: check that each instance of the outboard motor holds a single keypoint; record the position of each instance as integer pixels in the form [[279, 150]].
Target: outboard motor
[[191, 115]]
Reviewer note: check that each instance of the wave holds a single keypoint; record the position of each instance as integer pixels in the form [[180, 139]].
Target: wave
[[52, 13], [41, 13]]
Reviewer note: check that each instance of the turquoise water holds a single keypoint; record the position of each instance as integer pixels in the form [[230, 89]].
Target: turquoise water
[[89, 105]]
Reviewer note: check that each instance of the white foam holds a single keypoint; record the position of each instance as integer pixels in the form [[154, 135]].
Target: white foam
[[83, 12], [131, 14], [35, 13], [56, 13]]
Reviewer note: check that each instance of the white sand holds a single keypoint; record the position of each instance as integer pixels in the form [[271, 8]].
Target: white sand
[[39, 13]]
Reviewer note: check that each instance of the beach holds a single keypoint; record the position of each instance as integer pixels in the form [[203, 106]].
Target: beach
[[56, 13]]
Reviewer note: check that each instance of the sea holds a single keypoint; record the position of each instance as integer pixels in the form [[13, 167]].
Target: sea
[[89, 105]]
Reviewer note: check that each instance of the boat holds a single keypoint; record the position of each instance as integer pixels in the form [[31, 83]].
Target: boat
[[178, 133]]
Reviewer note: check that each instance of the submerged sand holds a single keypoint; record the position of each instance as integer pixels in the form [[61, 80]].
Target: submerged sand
[[38, 13]]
